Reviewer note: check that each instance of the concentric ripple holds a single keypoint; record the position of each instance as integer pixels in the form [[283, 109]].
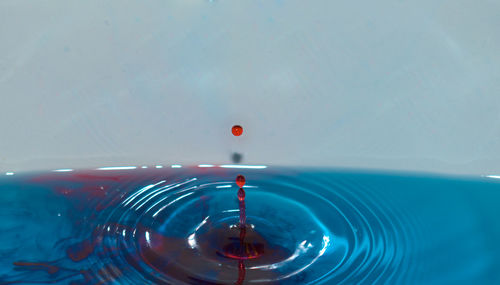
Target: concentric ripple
[[184, 229], [181, 227]]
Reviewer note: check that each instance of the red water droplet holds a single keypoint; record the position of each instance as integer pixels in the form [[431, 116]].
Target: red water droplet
[[240, 181], [241, 194], [237, 130]]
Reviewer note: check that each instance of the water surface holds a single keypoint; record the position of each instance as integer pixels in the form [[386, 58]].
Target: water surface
[[305, 226]]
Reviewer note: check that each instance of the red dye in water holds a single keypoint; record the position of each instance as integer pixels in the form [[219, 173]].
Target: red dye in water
[[79, 251], [241, 272], [243, 215], [51, 269], [237, 130], [243, 245], [240, 181]]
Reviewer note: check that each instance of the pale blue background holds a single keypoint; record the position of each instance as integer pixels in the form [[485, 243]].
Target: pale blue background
[[408, 85]]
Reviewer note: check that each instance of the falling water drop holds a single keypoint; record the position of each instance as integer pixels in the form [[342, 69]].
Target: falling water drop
[[237, 130], [240, 180]]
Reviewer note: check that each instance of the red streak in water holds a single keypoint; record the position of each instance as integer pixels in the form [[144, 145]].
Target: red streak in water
[[84, 176], [51, 269], [241, 272], [243, 216], [78, 177], [240, 180]]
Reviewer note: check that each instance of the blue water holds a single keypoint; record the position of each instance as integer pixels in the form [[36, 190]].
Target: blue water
[[312, 226]]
